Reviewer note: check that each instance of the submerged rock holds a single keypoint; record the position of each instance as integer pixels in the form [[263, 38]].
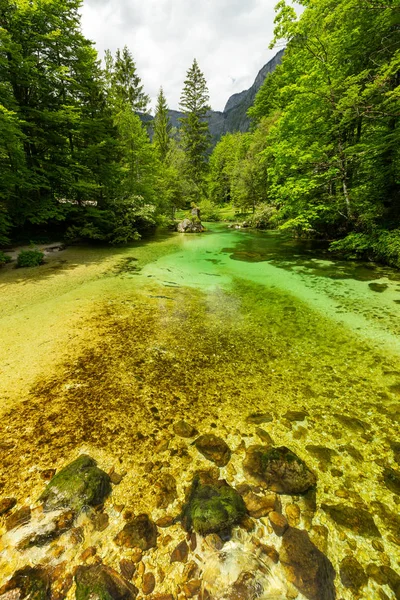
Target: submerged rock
[[391, 478], [30, 582], [213, 506], [278, 523], [185, 430], [306, 567], [352, 575], [6, 504], [390, 518], [295, 415], [140, 532], [259, 418], [214, 449], [321, 453], [79, 484], [100, 582], [279, 469], [166, 491], [395, 446], [357, 520], [259, 506], [352, 423]]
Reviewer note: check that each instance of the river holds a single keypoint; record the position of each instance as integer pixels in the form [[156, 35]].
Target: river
[[102, 351]]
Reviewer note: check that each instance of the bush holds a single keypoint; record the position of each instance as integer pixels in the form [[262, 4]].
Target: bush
[[208, 211], [30, 258], [380, 245], [264, 217], [4, 258]]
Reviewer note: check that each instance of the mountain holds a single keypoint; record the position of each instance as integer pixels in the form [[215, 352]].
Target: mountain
[[234, 116]]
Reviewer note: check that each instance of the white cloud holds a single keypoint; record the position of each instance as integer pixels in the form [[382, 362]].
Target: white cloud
[[229, 39]]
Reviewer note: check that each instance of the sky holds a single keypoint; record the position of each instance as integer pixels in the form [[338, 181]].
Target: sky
[[229, 38]]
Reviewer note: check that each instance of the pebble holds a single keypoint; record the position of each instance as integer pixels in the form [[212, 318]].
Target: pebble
[[278, 523], [166, 540], [100, 521], [378, 546], [88, 553], [260, 506], [149, 583], [136, 555], [180, 553], [127, 568], [293, 514], [190, 571], [214, 541], [248, 524], [47, 474], [193, 542], [116, 478], [183, 429], [192, 588], [264, 436], [165, 521]]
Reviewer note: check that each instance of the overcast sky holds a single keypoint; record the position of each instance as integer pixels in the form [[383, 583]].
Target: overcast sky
[[229, 39]]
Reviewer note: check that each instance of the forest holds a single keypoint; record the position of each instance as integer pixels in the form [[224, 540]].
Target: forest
[[79, 160]]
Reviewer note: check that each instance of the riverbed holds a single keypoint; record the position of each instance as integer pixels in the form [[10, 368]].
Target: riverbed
[[103, 351]]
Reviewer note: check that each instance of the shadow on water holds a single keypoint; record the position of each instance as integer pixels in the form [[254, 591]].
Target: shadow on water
[[81, 255], [306, 256]]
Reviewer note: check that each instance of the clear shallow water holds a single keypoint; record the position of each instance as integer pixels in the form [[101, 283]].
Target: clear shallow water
[[103, 351]]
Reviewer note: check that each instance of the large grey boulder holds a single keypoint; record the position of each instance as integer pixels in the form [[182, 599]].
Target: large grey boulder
[[190, 226]]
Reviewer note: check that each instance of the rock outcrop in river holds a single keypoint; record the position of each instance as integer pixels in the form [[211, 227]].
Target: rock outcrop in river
[[192, 224]]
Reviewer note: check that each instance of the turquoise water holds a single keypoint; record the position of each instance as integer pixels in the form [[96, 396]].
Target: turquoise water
[[104, 351]]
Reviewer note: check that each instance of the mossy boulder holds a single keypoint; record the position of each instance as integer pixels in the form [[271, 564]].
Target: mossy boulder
[[31, 582], [279, 469], [79, 484], [212, 506], [100, 582]]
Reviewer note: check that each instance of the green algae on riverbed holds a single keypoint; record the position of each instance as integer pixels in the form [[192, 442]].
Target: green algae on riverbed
[[189, 331]]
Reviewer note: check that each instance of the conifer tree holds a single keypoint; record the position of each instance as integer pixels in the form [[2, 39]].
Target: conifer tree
[[124, 83], [162, 126], [195, 132]]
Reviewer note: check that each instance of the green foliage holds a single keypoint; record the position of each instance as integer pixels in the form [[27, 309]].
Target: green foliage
[[162, 127], [381, 244], [324, 151], [333, 152], [30, 258], [4, 258], [124, 86], [209, 211], [194, 127], [264, 217]]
